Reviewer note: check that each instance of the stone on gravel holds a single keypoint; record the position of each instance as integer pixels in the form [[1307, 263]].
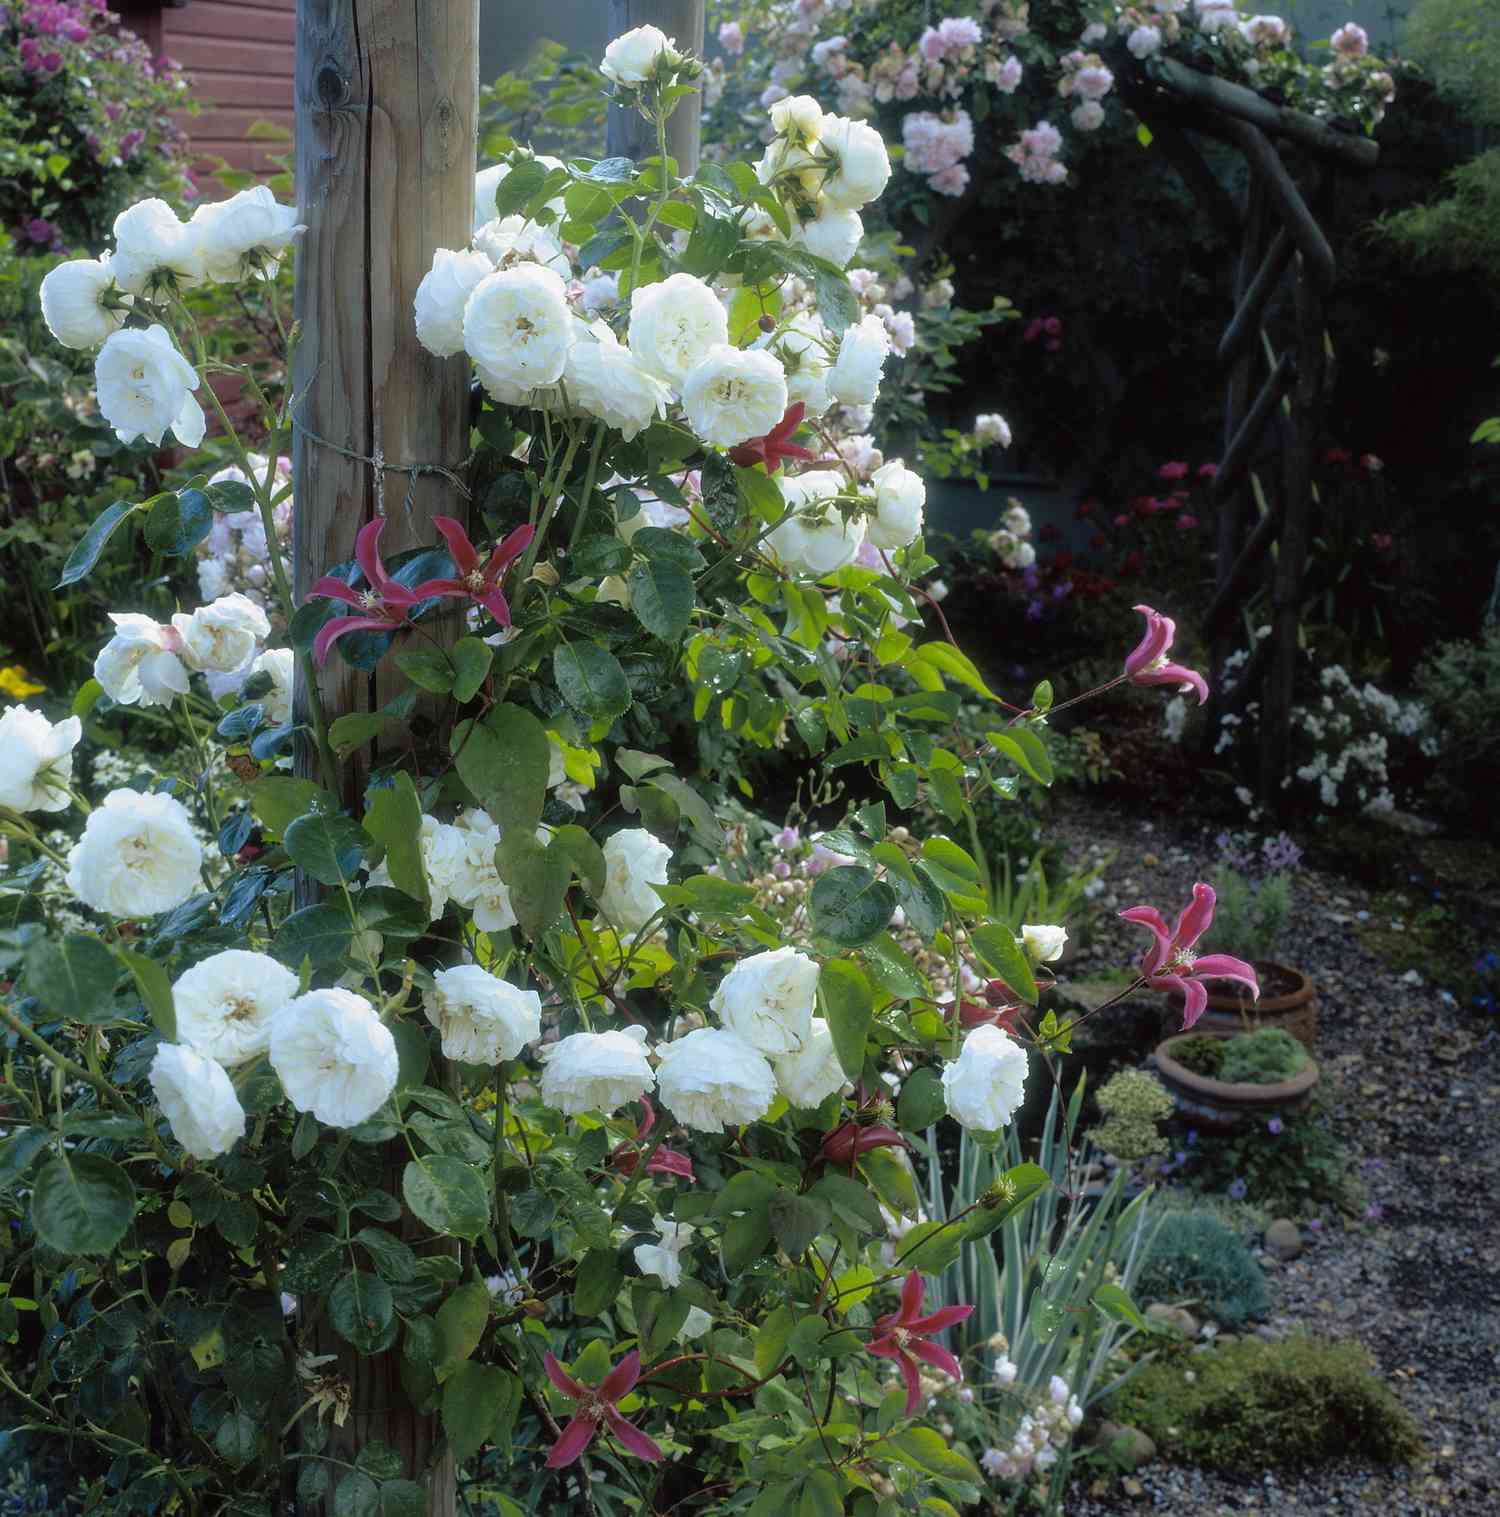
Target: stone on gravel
[[1129, 1445], [1284, 1239], [1174, 1316]]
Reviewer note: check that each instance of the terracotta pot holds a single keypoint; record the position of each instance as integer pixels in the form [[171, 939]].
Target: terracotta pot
[[1220, 1104], [1289, 1000]]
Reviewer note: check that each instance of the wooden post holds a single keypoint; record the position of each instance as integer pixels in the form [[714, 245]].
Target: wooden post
[[387, 109], [629, 135]]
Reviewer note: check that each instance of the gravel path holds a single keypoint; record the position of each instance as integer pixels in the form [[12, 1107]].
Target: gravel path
[[1413, 1086]]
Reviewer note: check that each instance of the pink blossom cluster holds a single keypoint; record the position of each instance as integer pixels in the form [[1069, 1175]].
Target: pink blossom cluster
[[953, 37], [1035, 152], [1086, 81], [937, 146]]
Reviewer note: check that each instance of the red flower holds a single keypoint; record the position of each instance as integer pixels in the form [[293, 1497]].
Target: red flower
[[596, 1408], [902, 1337], [665, 1161], [771, 449], [1147, 664], [845, 1144], [382, 606], [1177, 469], [479, 584], [1171, 964]]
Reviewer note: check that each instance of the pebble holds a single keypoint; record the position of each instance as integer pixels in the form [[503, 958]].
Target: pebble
[[1284, 1239]]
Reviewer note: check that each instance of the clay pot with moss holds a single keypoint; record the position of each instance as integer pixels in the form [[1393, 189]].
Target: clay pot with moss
[[1217, 1081]]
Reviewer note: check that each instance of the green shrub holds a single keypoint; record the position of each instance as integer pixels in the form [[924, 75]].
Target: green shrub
[[1462, 680], [1266, 1057], [1249, 918], [1195, 1255], [1251, 1405], [1133, 1103], [1203, 1054]]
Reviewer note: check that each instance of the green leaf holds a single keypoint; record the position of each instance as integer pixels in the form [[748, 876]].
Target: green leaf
[[393, 1259], [1114, 1301], [662, 597], [82, 1204], [930, 1247], [848, 905], [320, 934], [532, 1213], [537, 878], [890, 963], [327, 846], [597, 1282], [356, 1495], [402, 1498], [599, 555], [591, 680], [461, 1321], [699, 813], [1026, 750], [585, 856], [176, 524], [393, 817], [362, 1311], [1046, 1317], [795, 1221], [947, 659], [17, 1153], [744, 1240], [86, 554], [997, 947], [471, 665], [822, 1496], [1023, 1184], [518, 186], [504, 760], [447, 1194], [891, 1177], [771, 1340], [155, 990], [237, 1438], [73, 977], [849, 1005], [475, 1400], [428, 668], [926, 1448], [922, 1101], [353, 731], [278, 800]]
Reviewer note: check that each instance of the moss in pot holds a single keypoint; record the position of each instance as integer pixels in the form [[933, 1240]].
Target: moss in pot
[[1215, 1081]]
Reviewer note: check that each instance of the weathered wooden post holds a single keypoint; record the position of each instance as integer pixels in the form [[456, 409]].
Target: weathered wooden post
[[629, 132], [387, 106]]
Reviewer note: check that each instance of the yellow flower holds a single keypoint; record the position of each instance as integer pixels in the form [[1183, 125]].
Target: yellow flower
[[15, 681]]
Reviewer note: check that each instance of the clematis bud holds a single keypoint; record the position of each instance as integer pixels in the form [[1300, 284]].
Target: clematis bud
[[845, 1144]]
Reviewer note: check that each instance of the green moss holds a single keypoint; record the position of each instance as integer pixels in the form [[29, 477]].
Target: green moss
[[1202, 1054], [1133, 1102], [1196, 1257], [1252, 1405], [1266, 1057]]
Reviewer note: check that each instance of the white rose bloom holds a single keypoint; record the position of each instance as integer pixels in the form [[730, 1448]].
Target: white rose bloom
[[798, 116], [518, 326], [139, 664], [149, 241], [986, 1083], [861, 167], [608, 381], [900, 496], [630, 59], [510, 240], [73, 302], [817, 540], [712, 1079], [1144, 41], [442, 296], [145, 385], [992, 430], [1017, 519], [832, 234], [1043, 943], [138, 855], [222, 637], [225, 1004], [805, 361], [483, 1019], [674, 325], [36, 759], [280, 664], [633, 862], [334, 1056], [247, 233], [855, 376], [447, 863], [768, 1000], [694, 1325], [197, 1098], [487, 181], [808, 1077], [734, 395], [664, 1259], [596, 1071], [1019, 556], [793, 169]]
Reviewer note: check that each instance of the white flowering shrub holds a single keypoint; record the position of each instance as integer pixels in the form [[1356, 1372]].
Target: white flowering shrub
[[481, 1066]]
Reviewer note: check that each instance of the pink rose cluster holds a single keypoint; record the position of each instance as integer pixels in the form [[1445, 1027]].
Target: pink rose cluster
[[1035, 152], [936, 146], [1086, 81]]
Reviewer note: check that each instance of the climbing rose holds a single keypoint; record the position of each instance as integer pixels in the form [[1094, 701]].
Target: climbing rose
[[36, 759], [731, 396], [73, 302], [247, 233], [712, 1079], [225, 1004], [632, 58], [607, 380], [987, 1082], [517, 326], [900, 496], [832, 234], [634, 861], [597, 1406], [808, 1077], [596, 1071], [855, 376], [139, 664], [334, 1056], [674, 325], [150, 243], [222, 637], [482, 1018], [1043, 943], [1170, 963], [663, 1259], [860, 166], [442, 296], [902, 1335], [145, 386], [768, 999], [138, 855], [198, 1100]]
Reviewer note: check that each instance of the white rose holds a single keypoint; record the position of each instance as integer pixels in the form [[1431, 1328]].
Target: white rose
[[73, 302], [518, 326], [222, 637], [1144, 41], [674, 325], [1088, 116], [808, 1077], [596, 1071], [832, 234], [986, 1083], [442, 296], [694, 1325], [446, 863], [1019, 556], [855, 376], [138, 855], [712, 1079], [817, 540], [992, 430], [633, 862], [900, 496], [245, 234], [482, 1019], [732, 396], [798, 116], [664, 1259], [280, 664], [197, 1098], [334, 1056], [632, 58], [804, 358], [225, 1004], [768, 999], [1043, 943], [149, 242], [510, 240], [139, 664], [1017, 519], [145, 386], [861, 167], [608, 381], [36, 759], [487, 181]]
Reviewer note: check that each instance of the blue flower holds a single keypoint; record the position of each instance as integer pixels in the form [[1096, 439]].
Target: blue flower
[[1238, 1189], [1274, 1127]]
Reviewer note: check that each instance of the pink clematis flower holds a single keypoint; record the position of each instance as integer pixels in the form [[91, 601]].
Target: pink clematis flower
[[1147, 664], [596, 1409], [776, 445], [1171, 964], [902, 1336], [845, 1144], [479, 583], [382, 605]]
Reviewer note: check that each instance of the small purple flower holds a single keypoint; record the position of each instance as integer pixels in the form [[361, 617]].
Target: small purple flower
[[781, 869], [1315, 1225], [1274, 1127], [1034, 611], [1192, 1137], [1374, 1212], [1238, 1189], [40, 230], [1180, 1157], [786, 839]]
